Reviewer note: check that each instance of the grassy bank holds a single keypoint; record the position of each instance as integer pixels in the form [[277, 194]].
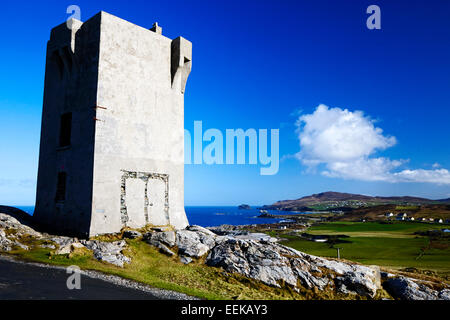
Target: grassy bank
[[390, 245], [151, 267]]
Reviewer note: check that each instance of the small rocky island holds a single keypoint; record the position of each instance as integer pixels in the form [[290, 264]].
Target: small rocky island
[[244, 207], [233, 249]]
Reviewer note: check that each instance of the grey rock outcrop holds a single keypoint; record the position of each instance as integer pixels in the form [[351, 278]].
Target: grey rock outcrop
[[193, 244], [257, 237], [110, 252], [407, 289], [200, 229], [238, 233], [11, 230], [8, 222], [167, 238], [253, 255], [185, 260], [62, 241], [162, 247], [48, 246], [444, 294], [226, 229], [252, 260], [5, 243], [194, 241], [68, 247], [260, 257], [132, 234], [274, 264]]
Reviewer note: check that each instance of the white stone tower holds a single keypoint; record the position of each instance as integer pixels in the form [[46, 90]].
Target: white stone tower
[[112, 139]]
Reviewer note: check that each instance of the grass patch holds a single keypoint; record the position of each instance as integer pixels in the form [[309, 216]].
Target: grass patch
[[151, 267], [406, 207], [389, 245], [392, 246], [394, 228]]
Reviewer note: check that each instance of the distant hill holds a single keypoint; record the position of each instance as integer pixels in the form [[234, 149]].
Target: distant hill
[[340, 201]]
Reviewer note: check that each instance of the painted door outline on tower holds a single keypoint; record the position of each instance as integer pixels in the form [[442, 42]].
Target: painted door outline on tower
[[145, 177]]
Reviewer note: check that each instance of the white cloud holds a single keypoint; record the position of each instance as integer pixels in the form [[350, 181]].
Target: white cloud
[[436, 165], [373, 169], [339, 135], [345, 142], [438, 176]]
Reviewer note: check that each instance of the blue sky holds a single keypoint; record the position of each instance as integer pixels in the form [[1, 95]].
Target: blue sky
[[265, 64]]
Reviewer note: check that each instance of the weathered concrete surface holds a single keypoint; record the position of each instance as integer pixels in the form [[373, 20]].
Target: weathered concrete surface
[[70, 86], [124, 86]]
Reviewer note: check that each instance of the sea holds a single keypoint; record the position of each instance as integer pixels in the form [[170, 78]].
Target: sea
[[210, 216]]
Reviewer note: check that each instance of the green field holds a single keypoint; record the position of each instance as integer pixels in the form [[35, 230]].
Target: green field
[[369, 229], [406, 207], [390, 245]]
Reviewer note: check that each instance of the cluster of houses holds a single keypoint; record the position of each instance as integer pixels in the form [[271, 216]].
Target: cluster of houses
[[404, 217], [349, 203]]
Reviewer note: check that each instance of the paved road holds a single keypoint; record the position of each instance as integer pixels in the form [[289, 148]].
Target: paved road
[[25, 281]]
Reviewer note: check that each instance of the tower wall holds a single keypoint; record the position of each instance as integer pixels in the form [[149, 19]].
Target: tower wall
[[139, 136], [123, 86], [70, 87]]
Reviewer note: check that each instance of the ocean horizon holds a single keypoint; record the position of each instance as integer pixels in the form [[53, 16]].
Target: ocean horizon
[[211, 216]]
